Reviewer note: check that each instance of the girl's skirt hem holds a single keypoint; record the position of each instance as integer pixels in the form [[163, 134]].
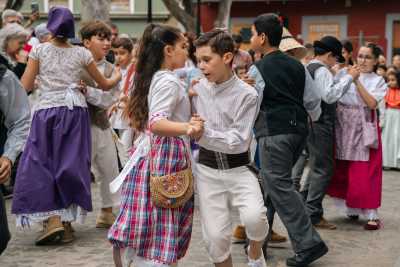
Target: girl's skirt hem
[[71, 214]]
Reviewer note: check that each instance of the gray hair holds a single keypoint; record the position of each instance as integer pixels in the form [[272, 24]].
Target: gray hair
[[41, 31], [9, 13], [11, 31]]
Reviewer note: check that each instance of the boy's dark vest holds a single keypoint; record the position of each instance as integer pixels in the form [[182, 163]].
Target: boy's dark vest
[[281, 110], [328, 110], [98, 116]]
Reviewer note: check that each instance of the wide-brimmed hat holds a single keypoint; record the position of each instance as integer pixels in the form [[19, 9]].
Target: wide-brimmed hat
[[288, 42], [61, 22], [331, 44]]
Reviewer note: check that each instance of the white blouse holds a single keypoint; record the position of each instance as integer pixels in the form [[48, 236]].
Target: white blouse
[[372, 82]]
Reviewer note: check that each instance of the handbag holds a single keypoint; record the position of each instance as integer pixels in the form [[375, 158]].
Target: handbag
[[173, 189], [370, 130]]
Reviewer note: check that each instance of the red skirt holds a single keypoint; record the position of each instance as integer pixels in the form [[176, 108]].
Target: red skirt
[[359, 183]]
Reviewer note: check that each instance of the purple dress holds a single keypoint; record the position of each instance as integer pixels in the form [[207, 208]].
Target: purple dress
[[53, 176]]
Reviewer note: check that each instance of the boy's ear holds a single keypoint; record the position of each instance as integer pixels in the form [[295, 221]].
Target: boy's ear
[[264, 39], [227, 58], [86, 43]]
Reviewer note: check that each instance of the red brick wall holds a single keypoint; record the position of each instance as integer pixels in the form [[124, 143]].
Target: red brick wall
[[368, 16]]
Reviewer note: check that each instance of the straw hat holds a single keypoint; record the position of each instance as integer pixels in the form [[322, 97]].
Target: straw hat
[[288, 42]]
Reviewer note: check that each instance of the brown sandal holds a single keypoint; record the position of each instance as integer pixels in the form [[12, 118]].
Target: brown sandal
[[372, 225]]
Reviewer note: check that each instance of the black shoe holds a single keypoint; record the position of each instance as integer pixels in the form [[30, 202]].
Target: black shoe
[[305, 258]]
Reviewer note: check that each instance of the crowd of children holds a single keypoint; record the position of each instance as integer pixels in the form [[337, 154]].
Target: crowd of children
[[139, 121]]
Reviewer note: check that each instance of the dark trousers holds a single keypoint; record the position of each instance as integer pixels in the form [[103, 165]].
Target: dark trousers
[[278, 155], [320, 147], [4, 232]]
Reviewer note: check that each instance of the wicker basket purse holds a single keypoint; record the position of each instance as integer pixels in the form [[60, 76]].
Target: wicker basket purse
[[174, 189]]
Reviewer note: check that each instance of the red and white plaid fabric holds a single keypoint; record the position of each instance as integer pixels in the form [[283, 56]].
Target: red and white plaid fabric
[[155, 233]]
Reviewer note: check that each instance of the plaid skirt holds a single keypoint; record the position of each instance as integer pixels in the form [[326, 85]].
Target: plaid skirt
[[154, 233]]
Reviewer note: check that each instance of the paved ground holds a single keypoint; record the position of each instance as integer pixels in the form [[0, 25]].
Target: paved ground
[[350, 245]]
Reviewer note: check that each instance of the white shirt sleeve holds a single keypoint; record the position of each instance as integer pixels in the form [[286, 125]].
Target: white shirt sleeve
[[311, 97], [237, 137], [331, 89], [164, 98]]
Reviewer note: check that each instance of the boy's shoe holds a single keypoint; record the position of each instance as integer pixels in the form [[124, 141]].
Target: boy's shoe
[[260, 262], [239, 235], [52, 233], [324, 224], [68, 234], [277, 238], [105, 220], [305, 258]]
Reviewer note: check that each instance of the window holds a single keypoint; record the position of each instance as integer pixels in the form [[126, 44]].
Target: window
[[50, 3], [122, 6]]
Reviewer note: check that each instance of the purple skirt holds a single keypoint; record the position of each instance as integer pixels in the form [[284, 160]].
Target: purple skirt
[[54, 170]]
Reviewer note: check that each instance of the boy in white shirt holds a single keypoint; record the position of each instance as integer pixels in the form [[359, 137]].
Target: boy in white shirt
[[229, 107]]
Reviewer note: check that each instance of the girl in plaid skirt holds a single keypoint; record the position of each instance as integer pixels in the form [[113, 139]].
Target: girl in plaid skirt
[[150, 235]]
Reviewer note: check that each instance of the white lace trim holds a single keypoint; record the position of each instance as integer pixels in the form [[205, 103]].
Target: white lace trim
[[369, 214], [71, 214], [129, 256]]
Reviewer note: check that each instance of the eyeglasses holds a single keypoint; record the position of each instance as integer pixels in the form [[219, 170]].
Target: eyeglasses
[[366, 57]]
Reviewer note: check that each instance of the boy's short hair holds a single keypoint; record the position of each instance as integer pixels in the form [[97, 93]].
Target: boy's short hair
[[95, 28], [125, 43], [271, 26], [237, 38], [220, 41]]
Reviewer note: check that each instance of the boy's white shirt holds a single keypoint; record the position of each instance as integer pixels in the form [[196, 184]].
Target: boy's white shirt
[[229, 110]]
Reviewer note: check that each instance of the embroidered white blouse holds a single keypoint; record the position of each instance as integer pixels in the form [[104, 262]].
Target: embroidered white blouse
[[60, 70]]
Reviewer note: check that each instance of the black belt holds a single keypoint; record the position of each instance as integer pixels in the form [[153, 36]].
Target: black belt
[[222, 161]]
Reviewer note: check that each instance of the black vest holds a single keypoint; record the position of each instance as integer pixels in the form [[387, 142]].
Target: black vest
[[281, 110], [328, 114]]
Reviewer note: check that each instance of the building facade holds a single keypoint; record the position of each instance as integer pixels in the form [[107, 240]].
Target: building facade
[[308, 20], [129, 15]]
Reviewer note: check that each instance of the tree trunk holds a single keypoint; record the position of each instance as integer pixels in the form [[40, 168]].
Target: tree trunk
[[14, 4], [224, 11], [95, 10], [183, 16]]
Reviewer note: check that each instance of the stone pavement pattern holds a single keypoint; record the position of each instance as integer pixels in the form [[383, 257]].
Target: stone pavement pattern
[[350, 245]]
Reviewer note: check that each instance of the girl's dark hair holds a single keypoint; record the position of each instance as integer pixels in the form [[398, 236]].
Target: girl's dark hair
[[376, 52], [348, 46], [191, 49], [150, 57], [397, 76]]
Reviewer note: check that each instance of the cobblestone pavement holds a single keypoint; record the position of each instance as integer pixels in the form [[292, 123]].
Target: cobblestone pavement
[[349, 245]]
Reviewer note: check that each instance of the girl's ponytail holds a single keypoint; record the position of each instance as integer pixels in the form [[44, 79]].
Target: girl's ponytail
[[150, 58]]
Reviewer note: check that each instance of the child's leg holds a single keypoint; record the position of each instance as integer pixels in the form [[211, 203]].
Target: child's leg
[[215, 214], [246, 195], [117, 257]]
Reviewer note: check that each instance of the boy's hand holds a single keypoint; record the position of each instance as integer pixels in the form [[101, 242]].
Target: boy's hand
[[5, 169], [196, 127], [22, 56], [192, 92], [354, 71], [249, 80], [82, 87]]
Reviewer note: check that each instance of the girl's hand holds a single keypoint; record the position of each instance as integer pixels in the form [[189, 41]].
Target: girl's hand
[[196, 127], [117, 73], [82, 87], [249, 80]]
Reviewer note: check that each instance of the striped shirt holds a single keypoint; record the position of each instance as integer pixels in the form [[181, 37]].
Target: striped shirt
[[229, 110]]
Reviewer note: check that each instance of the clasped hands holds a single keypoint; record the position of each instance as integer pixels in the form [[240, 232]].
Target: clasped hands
[[196, 127]]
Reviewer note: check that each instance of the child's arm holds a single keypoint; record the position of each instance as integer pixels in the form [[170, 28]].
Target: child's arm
[[105, 84], [165, 127], [28, 79]]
